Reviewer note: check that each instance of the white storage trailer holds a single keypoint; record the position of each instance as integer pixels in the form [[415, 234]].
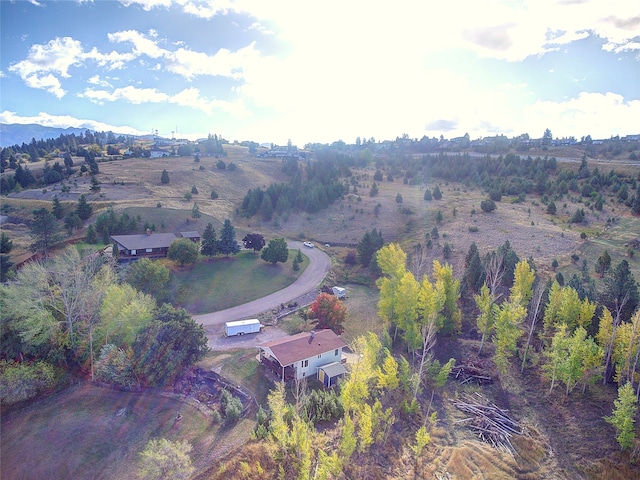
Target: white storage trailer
[[339, 292], [242, 327]]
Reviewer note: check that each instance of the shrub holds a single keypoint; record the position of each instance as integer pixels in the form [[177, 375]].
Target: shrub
[[488, 205], [351, 258], [231, 406], [214, 195]]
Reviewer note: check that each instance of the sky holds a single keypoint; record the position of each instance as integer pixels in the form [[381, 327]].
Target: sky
[[323, 71]]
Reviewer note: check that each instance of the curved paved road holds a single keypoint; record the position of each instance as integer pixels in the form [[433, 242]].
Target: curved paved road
[[319, 264]]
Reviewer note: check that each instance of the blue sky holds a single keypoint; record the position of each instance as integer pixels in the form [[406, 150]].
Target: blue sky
[[312, 71]]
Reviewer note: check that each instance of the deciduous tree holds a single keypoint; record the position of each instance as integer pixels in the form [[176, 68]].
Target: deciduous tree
[[623, 416], [163, 459], [276, 251], [183, 251], [254, 241], [328, 312]]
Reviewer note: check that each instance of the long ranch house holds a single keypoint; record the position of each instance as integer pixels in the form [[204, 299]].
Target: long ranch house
[[148, 245], [308, 353]]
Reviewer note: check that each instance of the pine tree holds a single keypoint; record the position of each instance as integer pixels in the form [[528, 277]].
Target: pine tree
[[45, 231], [91, 236], [228, 245], [209, 242], [164, 178], [84, 208], [195, 211], [57, 208]]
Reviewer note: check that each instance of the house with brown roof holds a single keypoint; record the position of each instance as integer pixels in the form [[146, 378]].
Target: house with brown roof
[[303, 355], [148, 245]]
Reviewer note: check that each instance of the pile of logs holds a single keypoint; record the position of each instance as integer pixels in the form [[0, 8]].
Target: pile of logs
[[491, 423], [470, 372]]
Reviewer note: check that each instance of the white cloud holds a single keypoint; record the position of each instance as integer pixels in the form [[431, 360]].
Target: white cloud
[[189, 97], [112, 60], [127, 94], [224, 63], [96, 80], [45, 82], [596, 114], [141, 44], [56, 56], [147, 5]]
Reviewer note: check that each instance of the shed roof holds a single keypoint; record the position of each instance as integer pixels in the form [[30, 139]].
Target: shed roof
[[333, 369], [289, 350], [190, 234], [142, 240]]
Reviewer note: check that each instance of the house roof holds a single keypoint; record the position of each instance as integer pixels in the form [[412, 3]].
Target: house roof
[[190, 234], [289, 350], [142, 241]]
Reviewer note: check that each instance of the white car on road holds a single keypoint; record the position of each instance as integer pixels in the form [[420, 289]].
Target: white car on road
[[308, 244]]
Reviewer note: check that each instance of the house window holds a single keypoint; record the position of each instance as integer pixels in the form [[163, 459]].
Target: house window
[[320, 356], [305, 363], [133, 252], [335, 353], [149, 250]]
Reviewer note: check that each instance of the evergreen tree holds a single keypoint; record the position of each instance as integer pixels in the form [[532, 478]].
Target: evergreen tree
[[228, 244], [164, 178], [195, 211], [620, 293], [6, 244], [437, 194], [84, 208], [91, 236], [209, 241], [603, 263], [45, 232], [427, 195], [370, 243], [57, 208], [72, 221], [473, 277]]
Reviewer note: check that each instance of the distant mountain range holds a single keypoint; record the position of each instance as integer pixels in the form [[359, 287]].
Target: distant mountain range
[[17, 134]]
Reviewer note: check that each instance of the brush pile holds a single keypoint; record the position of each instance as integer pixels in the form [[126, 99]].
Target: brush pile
[[471, 372], [491, 423]]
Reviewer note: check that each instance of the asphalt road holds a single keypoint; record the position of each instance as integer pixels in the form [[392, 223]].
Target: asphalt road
[[319, 264]]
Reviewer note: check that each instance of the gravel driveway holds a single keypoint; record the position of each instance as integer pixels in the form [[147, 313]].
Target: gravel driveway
[[319, 264]]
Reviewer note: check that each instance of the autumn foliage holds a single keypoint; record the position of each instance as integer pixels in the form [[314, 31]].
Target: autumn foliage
[[329, 312]]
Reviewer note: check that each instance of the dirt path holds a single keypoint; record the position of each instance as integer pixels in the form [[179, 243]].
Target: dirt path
[[307, 283]]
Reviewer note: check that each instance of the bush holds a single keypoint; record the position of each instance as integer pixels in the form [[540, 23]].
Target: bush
[[351, 258], [214, 195], [578, 216], [231, 406], [488, 205], [22, 381]]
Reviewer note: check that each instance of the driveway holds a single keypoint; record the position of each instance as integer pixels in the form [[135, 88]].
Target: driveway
[[319, 265]]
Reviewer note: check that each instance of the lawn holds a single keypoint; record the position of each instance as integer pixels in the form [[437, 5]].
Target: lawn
[[225, 282]]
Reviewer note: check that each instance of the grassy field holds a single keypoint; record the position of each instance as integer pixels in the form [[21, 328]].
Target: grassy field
[[222, 282], [93, 433]]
